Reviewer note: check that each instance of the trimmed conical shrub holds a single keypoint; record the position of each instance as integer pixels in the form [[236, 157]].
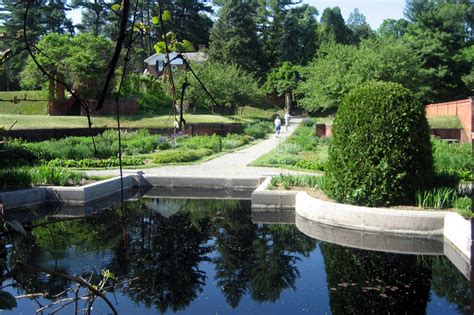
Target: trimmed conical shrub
[[381, 151]]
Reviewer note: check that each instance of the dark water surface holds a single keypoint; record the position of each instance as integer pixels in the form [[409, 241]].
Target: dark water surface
[[207, 257]]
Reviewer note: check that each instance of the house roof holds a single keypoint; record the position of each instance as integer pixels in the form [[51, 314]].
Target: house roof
[[198, 57]]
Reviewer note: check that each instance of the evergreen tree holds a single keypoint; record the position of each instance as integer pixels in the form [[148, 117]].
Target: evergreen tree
[[359, 26], [234, 37], [439, 31], [55, 17], [299, 35], [94, 16], [333, 28]]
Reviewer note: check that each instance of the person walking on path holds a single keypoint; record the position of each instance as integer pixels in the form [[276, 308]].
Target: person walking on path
[[287, 119], [277, 125]]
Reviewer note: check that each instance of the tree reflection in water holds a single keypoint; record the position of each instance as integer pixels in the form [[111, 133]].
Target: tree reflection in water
[[158, 260], [366, 282], [256, 259]]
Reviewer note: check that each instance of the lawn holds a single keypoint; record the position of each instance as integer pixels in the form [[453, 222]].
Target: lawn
[[444, 122], [135, 121], [37, 104]]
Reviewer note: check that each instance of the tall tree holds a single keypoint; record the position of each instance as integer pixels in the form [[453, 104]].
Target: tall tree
[[13, 17], [55, 17], [394, 28], [359, 26], [234, 37], [299, 35], [333, 28], [439, 31], [94, 16]]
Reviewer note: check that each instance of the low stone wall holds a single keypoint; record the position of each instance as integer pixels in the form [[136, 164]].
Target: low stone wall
[[33, 135], [370, 219]]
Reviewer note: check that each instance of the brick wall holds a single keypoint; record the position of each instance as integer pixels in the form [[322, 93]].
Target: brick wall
[[462, 108], [33, 135]]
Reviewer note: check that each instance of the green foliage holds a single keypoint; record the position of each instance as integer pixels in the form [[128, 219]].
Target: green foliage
[[46, 175], [180, 156], [15, 178], [333, 28], [25, 177], [463, 206], [232, 141], [289, 181], [234, 37], [258, 130], [79, 148], [201, 142], [453, 158], [93, 163], [149, 103], [437, 198], [14, 153], [308, 122], [339, 68], [438, 33], [289, 148], [380, 153], [282, 79], [228, 84], [82, 59], [311, 165]]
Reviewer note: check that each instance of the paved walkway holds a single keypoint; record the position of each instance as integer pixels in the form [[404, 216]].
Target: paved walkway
[[232, 164]]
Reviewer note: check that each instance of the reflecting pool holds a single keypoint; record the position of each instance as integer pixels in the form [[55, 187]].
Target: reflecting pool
[[207, 257]]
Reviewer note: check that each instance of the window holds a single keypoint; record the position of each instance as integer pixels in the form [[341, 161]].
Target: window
[[159, 65]]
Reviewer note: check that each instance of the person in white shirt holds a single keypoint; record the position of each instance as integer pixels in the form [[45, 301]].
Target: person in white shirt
[[277, 125]]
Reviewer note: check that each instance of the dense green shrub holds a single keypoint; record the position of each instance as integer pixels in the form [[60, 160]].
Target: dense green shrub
[[14, 153], [154, 103], [25, 177], [228, 84], [179, 156], [289, 148], [381, 152], [258, 130], [79, 148], [463, 206], [202, 142], [310, 165], [15, 178], [233, 140]]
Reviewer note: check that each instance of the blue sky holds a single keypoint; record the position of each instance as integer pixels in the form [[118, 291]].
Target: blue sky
[[374, 10]]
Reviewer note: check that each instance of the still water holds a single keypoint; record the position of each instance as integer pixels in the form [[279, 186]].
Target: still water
[[208, 257]]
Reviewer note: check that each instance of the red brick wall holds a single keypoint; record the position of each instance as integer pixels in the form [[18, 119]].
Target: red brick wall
[[462, 108]]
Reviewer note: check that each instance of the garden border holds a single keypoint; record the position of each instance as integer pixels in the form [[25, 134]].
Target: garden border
[[429, 224]]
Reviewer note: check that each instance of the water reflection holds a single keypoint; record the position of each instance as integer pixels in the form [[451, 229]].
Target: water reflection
[[160, 261]]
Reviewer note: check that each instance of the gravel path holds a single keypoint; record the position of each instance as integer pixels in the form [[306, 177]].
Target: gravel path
[[232, 164]]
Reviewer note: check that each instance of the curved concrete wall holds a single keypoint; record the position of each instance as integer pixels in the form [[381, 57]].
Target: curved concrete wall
[[369, 219]]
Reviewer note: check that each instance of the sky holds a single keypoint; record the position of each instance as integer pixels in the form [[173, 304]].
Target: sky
[[374, 10]]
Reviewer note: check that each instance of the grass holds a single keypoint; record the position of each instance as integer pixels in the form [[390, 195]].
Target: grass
[[135, 121], [453, 158], [444, 122], [24, 107]]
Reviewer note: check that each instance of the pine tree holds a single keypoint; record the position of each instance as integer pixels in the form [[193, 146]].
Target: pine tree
[[333, 28], [234, 37]]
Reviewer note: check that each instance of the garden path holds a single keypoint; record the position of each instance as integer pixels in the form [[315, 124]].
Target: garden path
[[233, 164]]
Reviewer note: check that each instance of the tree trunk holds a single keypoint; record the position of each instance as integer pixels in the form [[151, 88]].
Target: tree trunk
[[288, 100]]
